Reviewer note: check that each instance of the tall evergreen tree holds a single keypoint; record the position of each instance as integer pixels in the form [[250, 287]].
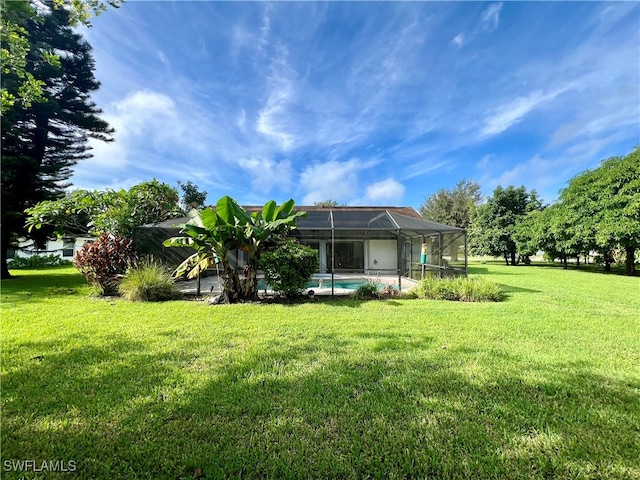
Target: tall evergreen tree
[[41, 142]]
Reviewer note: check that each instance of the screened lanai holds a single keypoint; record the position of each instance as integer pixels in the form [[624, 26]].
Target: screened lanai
[[390, 241], [386, 243]]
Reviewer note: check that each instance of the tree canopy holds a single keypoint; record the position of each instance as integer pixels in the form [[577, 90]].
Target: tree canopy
[[25, 89], [94, 212], [494, 227], [192, 197], [453, 207], [604, 207], [327, 203]]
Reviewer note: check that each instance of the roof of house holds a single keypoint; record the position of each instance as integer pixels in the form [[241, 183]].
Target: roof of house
[[405, 219]]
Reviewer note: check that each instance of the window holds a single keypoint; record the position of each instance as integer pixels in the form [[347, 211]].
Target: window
[[67, 248]]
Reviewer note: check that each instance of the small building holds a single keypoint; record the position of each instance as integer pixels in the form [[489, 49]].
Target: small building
[[365, 240], [64, 247]]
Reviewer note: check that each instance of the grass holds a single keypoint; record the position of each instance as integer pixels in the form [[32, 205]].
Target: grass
[[545, 384]]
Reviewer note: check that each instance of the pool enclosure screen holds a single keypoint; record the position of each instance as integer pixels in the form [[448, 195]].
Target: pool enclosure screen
[[365, 240], [382, 240]]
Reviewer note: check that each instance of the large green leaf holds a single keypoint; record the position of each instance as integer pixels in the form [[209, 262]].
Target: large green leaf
[[178, 242], [231, 213], [269, 211], [209, 219], [285, 209]]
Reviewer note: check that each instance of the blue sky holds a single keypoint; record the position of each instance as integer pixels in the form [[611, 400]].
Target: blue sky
[[367, 103]]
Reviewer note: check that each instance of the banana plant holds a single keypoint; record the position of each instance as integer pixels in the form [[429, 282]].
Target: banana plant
[[215, 234], [263, 229]]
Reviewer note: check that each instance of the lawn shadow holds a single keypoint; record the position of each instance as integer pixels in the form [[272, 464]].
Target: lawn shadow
[[49, 282], [507, 289], [374, 405], [407, 416], [584, 268], [474, 270]]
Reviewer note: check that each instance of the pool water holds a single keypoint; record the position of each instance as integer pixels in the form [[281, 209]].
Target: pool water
[[350, 284]]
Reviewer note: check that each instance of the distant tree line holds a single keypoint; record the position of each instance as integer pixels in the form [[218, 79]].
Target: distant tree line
[[598, 211]]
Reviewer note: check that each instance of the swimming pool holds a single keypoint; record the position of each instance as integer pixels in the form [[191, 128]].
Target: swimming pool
[[343, 283]]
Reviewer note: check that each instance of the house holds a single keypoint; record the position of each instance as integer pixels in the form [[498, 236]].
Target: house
[[366, 240], [64, 247]]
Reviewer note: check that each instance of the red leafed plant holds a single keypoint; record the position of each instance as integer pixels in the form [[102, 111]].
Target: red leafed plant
[[104, 261]]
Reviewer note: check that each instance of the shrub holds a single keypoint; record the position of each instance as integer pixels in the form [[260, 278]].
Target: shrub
[[288, 268], [148, 281], [366, 291], [104, 261], [37, 261], [460, 289]]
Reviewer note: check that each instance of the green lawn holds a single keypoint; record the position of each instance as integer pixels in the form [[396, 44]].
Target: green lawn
[[543, 385]]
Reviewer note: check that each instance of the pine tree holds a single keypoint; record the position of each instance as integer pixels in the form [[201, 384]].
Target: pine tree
[[43, 141]]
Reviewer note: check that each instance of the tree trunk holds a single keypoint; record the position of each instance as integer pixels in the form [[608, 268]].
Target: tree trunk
[[630, 260], [506, 258], [250, 283], [513, 259], [230, 284], [6, 238], [578, 261], [565, 264]]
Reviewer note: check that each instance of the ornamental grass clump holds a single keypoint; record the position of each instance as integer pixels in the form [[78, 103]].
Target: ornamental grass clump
[[148, 281], [460, 289]]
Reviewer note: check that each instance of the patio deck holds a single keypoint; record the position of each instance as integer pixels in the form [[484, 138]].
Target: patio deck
[[212, 284]]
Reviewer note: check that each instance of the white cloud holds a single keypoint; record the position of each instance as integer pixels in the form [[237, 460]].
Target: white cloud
[[490, 18], [242, 119], [163, 58], [459, 39], [266, 174], [332, 180], [485, 161], [147, 124], [272, 120], [420, 168], [275, 118], [143, 111], [141, 114], [513, 111], [543, 172], [389, 190]]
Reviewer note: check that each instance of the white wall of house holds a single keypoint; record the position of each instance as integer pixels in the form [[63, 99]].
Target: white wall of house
[[381, 255], [65, 248]]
